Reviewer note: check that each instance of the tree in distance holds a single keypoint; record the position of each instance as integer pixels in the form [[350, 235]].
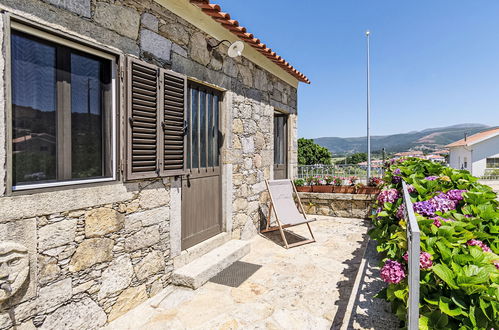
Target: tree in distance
[[310, 153]]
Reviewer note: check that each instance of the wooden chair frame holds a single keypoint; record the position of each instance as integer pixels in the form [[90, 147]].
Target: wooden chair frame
[[280, 226]]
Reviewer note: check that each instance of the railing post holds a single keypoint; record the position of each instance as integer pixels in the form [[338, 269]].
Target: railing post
[[413, 247]]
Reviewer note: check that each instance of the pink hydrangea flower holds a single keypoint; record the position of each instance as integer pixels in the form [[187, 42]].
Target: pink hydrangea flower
[[425, 260], [482, 245], [437, 221], [388, 196], [496, 263], [392, 272]]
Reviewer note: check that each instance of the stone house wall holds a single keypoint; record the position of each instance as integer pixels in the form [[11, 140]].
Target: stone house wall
[[98, 250], [338, 205]]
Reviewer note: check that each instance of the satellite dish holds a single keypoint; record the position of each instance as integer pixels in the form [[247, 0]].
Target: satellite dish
[[236, 49]]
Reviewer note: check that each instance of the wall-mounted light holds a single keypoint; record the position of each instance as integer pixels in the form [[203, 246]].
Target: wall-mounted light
[[235, 49]]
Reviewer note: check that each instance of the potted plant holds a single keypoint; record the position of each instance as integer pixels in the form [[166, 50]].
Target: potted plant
[[320, 185], [374, 186], [337, 181], [360, 188], [301, 187]]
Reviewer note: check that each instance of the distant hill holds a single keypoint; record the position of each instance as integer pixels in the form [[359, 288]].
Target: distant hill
[[427, 140]]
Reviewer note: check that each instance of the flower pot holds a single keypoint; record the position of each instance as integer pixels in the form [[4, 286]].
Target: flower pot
[[322, 189], [336, 189], [304, 189], [348, 190], [364, 190], [373, 190]]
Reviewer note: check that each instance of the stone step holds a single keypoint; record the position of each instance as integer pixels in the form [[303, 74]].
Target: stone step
[[199, 271], [198, 250]]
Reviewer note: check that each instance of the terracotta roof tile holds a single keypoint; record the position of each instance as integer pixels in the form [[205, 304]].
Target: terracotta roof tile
[[214, 11], [475, 138]]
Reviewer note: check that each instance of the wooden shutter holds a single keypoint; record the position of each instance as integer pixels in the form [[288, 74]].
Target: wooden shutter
[[173, 116], [143, 102]]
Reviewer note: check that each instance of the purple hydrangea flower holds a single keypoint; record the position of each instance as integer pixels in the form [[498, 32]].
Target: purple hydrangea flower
[[411, 189], [392, 272], [397, 171], [482, 245], [425, 208], [388, 196], [425, 260], [496, 263], [455, 194], [396, 179], [401, 211], [431, 178]]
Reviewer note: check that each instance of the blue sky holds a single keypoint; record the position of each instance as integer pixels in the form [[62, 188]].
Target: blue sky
[[434, 63]]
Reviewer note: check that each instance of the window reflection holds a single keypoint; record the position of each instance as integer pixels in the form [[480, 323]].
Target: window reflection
[[33, 107], [86, 115]]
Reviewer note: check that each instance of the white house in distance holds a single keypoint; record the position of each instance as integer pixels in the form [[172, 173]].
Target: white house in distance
[[477, 153]]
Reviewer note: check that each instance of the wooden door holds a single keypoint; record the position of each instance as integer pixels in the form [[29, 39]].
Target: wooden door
[[280, 146], [201, 187]]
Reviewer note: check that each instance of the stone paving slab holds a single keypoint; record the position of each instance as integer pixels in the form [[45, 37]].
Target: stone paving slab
[[300, 288], [369, 312]]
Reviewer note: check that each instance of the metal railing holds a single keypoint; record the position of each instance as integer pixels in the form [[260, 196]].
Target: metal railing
[[413, 252], [342, 170]]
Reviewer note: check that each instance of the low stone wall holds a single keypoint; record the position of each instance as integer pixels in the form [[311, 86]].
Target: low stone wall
[[338, 205]]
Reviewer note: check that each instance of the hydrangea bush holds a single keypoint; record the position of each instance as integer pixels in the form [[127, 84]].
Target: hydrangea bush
[[459, 262]]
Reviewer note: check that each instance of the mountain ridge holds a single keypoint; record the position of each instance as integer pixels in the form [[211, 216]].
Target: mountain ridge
[[427, 140]]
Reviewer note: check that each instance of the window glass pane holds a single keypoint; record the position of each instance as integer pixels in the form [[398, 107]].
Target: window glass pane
[[87, 82], [492, 162], [216, 114], [195, 130], [202, 127], [189, 128], [210, 129], [278, 140], [33, 106]]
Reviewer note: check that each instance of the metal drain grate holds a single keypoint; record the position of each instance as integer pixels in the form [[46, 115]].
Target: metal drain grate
[[235, 274]]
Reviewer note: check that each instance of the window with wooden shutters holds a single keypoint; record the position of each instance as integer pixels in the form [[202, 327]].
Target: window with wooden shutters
[[156, 107], [174, 125]]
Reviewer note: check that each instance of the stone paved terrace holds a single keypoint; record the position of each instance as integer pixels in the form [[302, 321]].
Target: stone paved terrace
[[307, 287]]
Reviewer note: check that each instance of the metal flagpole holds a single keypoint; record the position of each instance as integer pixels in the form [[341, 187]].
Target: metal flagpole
[[368, 33]]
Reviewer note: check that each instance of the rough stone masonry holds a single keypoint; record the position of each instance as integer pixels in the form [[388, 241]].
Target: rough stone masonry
[[96, 251]]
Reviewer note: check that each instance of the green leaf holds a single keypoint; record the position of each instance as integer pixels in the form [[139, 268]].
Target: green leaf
[[445, 275], [444, 251], [423, 322], [484, 305], [445, 306]]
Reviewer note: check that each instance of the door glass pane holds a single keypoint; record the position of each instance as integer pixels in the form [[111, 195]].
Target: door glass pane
[[216, 114], [33, 106], [279, 140], [87, 80], [189, 128], [195, 130], [202, 127], [210, 129]]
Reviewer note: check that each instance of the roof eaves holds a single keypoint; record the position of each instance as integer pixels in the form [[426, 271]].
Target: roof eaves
[[215, 12]]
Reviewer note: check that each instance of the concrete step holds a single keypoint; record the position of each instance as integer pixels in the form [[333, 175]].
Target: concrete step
[[199, 271], [198, 250]]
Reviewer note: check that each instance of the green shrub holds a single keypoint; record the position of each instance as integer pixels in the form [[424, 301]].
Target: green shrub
[[299, 182], [459, 223]]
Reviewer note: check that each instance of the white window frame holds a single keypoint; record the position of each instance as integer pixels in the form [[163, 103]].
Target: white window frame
[[16, 26]]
